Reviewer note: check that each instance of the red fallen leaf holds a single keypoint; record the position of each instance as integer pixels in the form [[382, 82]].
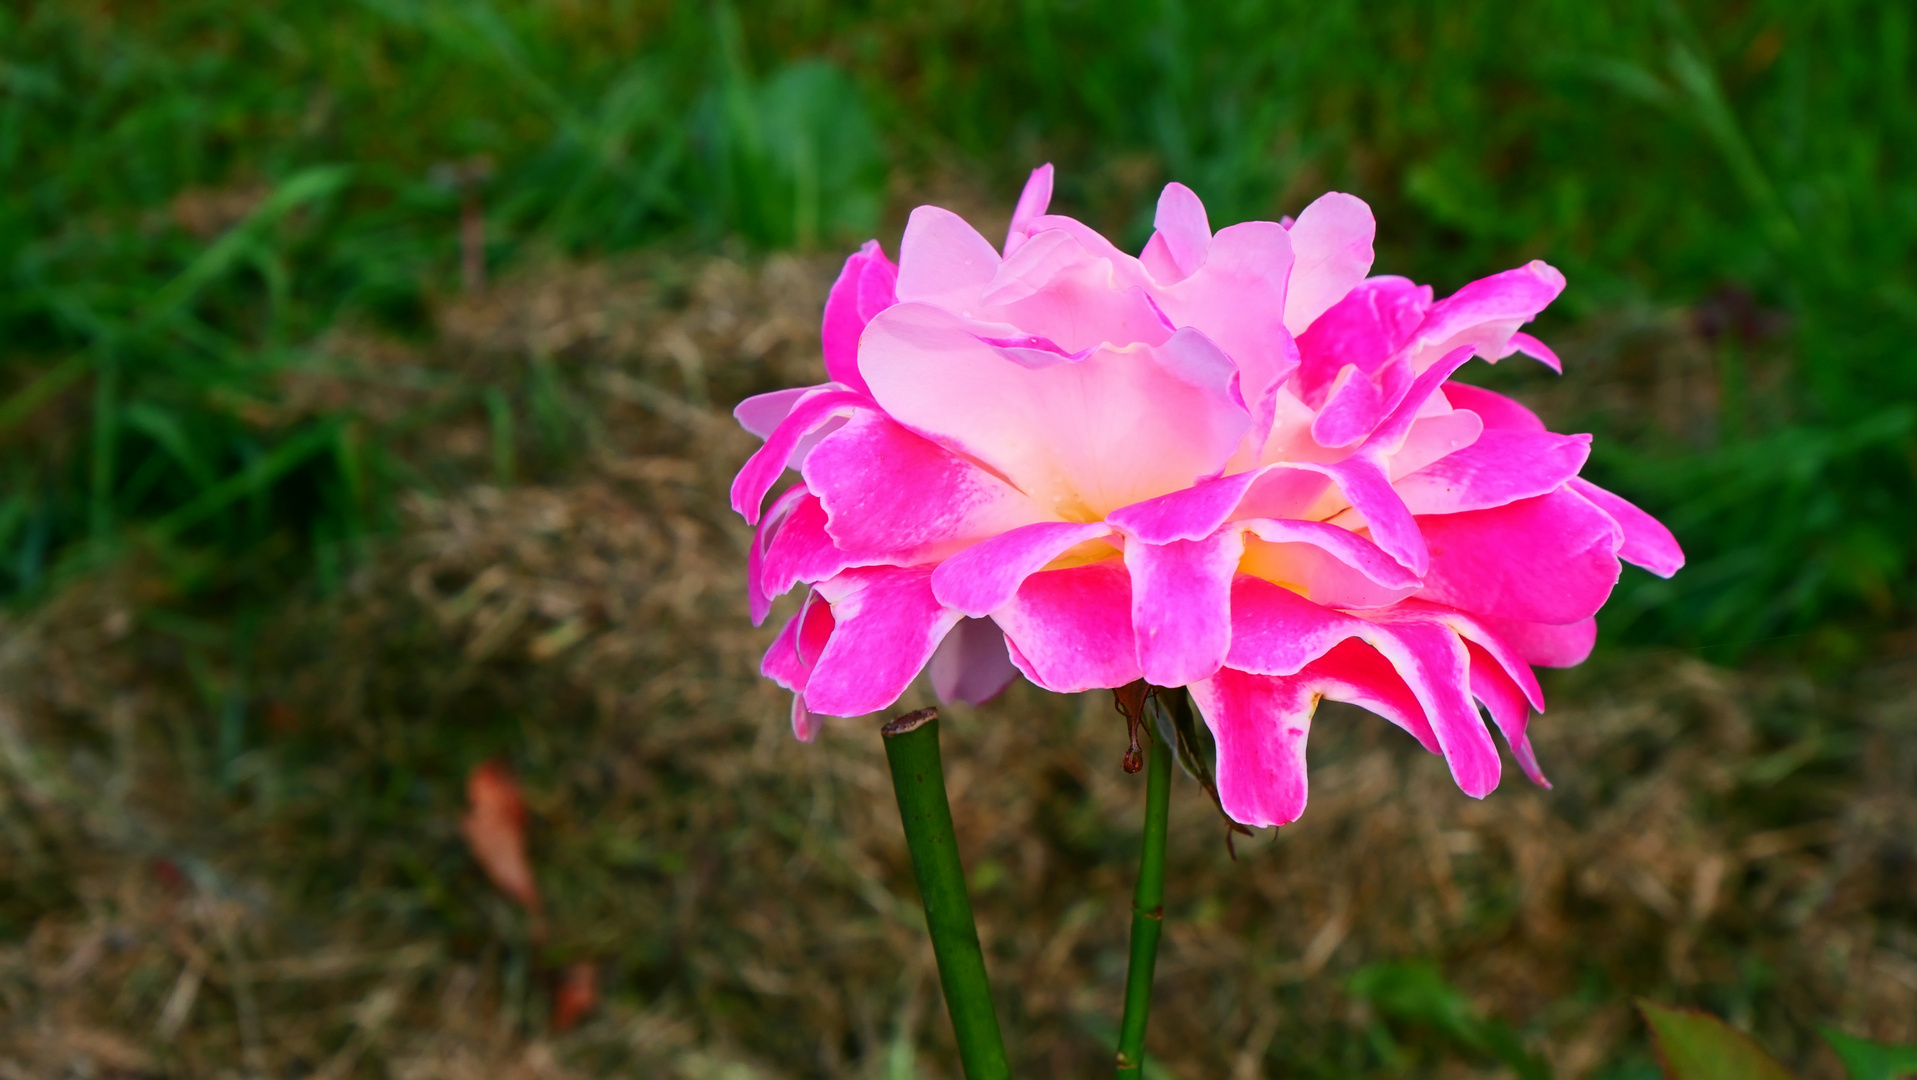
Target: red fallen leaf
[[495, 830], [578, 995]]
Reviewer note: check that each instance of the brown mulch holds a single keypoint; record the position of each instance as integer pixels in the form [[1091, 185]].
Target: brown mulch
[[231, 847]]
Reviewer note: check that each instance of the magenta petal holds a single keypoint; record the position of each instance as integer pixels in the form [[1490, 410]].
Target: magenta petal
[[759, 585], [1260, 725], [863, 288], [1177, 249], [1071, 630], [802, 551], [1433, 662], [886, 626], [1501, 467], [782, 663], [1547, 559], [1181, 605], [971, 664], [1332, 241], [1189, 513], [1356, 673], [1647, 542], [1506, 703], [764, 468], [1274, 631], [761, 414], [805, 726], [890, 492], [1486, 313], [1032, 204], [943, 261], [1353, 407], [1497, 411], [1547, 645], [1392, 527], [984, 578], [1539, 351], [1365, 328]]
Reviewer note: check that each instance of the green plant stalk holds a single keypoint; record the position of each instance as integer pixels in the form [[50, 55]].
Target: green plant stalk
[[918, 779], [1148, 906]]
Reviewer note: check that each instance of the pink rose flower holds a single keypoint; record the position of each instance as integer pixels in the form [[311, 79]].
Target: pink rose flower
[[1233, 463]]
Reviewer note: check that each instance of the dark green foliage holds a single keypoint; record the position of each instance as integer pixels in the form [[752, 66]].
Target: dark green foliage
[[1417, 994]]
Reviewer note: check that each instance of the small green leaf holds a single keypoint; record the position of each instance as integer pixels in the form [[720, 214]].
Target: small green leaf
[[1867, 1060], [1698, 1046]]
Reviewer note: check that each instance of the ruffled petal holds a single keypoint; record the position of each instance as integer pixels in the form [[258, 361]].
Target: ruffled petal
[[1260, 725], [1274, 631], [763, 469], [891, 493], [984, 578], [1486, 314], [1501, 466], [1365, 328], [886, 625], [1548, 559], [761, 414], [1177, 249], [1433, 662], [943, 261], [1181, 605], [864, 288], [1071, 630], [1506, 703], [1544, 644], [1497, 411], [1237, 299], [798, 550], [1647, 542], [1332, 243], [1082, 437], [971, 664], [1032, 204]]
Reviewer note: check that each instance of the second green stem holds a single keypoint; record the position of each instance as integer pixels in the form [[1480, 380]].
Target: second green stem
[[1148, 903]]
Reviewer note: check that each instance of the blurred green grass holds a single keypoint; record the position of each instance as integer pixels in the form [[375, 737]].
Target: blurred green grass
[[195, 194]]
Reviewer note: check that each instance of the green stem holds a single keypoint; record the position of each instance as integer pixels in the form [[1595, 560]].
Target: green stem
[[918, 779], [1148, 903]]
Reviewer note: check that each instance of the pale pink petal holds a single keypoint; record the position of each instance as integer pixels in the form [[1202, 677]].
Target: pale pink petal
[[1548, 559], [1177, 249], [1365, 328], [890, 492], [1332, 241], [1506, 703], [1237, 299], [1181, 605], [1071, 630], [1032, 204], [1547, 645], [971, 664], [1052, 288], [1486, 313], [1260, 725], [1647, 542], [886, 626], [1433, 662], [1081, 438], [1501, 466], [983, 578], [864, 288], [943, 261], [764, 468], [1497, 411], [1274, 631], [761, 414]]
